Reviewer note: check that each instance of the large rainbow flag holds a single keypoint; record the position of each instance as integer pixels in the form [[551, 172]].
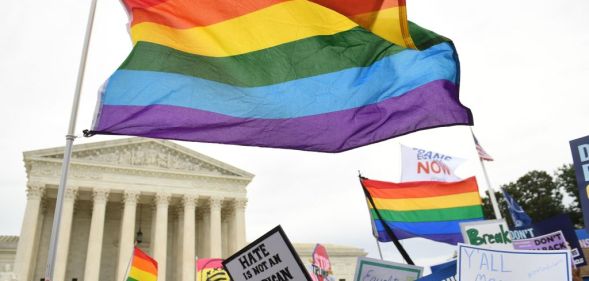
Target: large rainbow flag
[[326, 76], [143, 267], [427, 209]]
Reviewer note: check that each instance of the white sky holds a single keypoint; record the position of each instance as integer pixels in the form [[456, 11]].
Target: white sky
[[524, 72]]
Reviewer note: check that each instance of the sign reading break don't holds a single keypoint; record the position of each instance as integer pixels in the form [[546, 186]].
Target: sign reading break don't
[[269, 258], [492, 233]]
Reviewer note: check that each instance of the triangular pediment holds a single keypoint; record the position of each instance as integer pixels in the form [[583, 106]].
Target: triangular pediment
[[144, 153]]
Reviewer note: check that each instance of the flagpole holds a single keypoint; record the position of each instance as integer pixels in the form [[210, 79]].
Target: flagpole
[[374, 232], [491, 192], [389, 231], [49, 271], [378, 246]]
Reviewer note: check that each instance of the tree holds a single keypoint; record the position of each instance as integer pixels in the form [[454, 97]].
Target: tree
[[567, 181], [536, 192]]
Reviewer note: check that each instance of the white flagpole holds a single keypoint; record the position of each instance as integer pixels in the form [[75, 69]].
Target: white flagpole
[[491, 193], [69, 141]]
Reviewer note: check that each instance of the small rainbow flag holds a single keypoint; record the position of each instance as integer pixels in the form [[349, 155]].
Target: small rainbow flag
[[143, 267], [427, 209], [211, 270], [322, 75]]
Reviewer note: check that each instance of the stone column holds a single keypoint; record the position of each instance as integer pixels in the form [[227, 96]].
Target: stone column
[[160, 239], [127, 234], [206, 231], [215, 227], [225, 229], [24, 254], [65, 230], [94, 253], [188, 237], [239, 224], [178, 241]]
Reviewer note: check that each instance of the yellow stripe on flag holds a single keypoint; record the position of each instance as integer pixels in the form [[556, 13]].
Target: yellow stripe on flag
[[141, 275], [437, 202]]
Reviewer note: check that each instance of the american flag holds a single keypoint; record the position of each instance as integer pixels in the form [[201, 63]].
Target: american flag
[[482, 153]]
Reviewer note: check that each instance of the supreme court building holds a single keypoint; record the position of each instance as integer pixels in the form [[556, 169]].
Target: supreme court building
[[179, 203]]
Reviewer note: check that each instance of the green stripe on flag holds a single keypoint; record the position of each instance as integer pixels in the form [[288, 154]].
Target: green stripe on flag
[[449, 214]]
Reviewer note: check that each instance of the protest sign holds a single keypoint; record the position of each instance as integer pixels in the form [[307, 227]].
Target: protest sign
[[551, 241], [580, 151], [563, 223], [368, 269], [493, 233], [269, 258], [442, 272], [484, 264], [321, 266], [426, 165], [583, 237], [210, 270]]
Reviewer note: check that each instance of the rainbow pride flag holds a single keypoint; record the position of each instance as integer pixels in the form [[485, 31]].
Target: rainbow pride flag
[[427, 209], [211, 270], [143, 267], [272, 73]]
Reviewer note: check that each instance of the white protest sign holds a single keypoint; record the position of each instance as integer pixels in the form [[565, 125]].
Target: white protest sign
[[426, 165], [492, 233], [368, 269], [484, 264], [269, 258]]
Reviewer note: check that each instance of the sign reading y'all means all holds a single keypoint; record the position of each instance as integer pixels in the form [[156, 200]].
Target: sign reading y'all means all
[[492, 233], [483, 264], [270, 258]]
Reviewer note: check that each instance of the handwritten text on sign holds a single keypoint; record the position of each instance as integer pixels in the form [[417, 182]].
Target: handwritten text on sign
[[483, 264]]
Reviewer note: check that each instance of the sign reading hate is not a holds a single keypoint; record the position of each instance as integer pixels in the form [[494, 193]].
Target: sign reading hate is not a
[[368, 269], [484, 264], [270, 258], [492, 233]]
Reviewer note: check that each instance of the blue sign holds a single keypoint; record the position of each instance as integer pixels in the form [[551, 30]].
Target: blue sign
[[580, 151], [441, 272]]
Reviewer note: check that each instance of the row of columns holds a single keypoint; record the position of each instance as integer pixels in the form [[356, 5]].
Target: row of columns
[[25, 250]]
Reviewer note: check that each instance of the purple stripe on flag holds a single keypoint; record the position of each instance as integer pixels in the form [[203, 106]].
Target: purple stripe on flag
[[434, 104]]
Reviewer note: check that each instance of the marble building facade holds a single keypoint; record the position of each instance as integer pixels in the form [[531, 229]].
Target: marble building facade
[[184, 204]]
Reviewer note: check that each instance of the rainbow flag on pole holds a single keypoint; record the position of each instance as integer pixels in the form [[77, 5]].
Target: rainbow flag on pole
[[326, 76], [143, 267], [427, 209]]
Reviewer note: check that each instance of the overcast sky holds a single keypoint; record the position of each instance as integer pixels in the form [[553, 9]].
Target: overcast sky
[[524, 65]]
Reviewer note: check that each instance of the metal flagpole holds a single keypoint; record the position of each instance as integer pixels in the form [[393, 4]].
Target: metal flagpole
[[491, 193], [69, 141], [379, 251]]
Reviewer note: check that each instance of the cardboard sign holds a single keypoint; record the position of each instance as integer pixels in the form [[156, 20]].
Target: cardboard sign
[[484, 264], [492, 233], [547, 242], [270, 258], [563, 223], [426, 165], [580, 151], [372, 269]]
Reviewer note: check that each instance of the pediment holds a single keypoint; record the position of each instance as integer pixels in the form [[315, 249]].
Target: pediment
[[143, 153]]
